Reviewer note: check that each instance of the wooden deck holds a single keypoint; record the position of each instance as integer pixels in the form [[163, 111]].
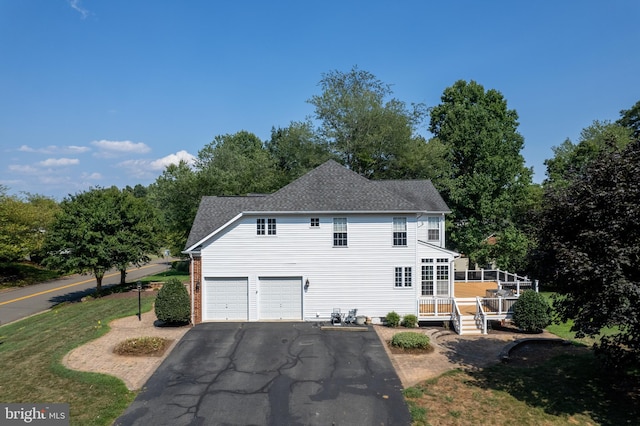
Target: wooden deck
[[462, 289]]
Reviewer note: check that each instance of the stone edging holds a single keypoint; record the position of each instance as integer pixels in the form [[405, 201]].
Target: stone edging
[[505, 354]]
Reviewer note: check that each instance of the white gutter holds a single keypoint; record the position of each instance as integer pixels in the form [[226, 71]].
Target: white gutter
[[193, 315]]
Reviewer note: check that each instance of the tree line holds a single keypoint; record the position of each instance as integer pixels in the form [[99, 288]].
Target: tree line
[[575, 231]]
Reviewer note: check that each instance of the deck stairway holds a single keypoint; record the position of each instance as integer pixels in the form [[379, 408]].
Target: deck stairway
[[468, 323]]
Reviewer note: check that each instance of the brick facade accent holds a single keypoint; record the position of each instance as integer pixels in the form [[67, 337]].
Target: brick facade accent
[[196, 275]]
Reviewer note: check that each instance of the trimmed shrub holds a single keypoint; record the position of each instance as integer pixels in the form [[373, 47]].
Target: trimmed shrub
[[410, 340], [531, 312], [410, 321], [172, 303], [392, 319], [180, 266]]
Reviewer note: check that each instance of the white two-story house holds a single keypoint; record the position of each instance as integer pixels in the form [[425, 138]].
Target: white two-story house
[[330, 239]]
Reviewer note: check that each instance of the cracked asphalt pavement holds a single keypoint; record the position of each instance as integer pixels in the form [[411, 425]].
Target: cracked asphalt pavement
[[272, 374]]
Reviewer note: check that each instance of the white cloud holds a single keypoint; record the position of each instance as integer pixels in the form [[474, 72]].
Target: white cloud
[[75, 4], [91, 176], [78, 149], [146, 169], [17, 168], [114, 148], [52, 149], [162, 163], [59, 162]]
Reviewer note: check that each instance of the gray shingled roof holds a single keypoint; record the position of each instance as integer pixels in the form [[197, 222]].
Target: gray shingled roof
[[327, 188]]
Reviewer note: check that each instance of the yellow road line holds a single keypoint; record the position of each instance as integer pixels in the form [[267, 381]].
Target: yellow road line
[[67, 286]]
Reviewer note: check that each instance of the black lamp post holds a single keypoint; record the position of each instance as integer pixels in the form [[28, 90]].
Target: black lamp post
[[139, 301]]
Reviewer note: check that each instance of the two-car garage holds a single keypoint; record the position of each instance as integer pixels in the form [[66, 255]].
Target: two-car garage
[[228, 299]]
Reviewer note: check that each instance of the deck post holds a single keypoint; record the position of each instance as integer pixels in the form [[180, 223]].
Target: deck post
[[536, 283]]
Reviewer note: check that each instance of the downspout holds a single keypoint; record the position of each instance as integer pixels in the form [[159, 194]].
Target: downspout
[[193, 291]]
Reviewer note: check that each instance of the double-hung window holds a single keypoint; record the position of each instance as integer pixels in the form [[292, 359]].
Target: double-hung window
[[433, 228], [265, 226], [403, 276], [339, 231], [399, 231]]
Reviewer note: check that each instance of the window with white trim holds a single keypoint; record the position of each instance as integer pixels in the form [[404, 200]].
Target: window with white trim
[[340, 232], [435, 278], [442, 277], [403, 276], [399, 231], [265, 226], [315, 222], [433, 228]]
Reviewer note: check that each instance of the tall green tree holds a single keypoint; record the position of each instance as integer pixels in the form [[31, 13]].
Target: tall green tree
[[593, 251], [571, 159], [176, 195], [236, 164], [630, 118], [365, 127], [24, 222], [296, 149], [138, 235], [96, 230], [488, 182]]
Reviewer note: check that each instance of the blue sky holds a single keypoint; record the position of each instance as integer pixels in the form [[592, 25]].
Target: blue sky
[[108, 92]]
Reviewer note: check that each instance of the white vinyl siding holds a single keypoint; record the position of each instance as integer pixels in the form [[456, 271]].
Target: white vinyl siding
[[361, 277]]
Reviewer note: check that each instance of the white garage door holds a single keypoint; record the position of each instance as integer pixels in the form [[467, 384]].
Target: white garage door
[[226, 299], [281, 298]]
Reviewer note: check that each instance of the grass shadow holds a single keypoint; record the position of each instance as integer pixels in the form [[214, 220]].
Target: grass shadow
[[566, 386]]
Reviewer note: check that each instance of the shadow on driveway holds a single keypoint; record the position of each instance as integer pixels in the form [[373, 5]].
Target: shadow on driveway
[[272, 374]]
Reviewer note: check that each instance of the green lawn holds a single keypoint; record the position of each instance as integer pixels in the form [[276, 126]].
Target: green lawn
[[31, 351], [566, 390]]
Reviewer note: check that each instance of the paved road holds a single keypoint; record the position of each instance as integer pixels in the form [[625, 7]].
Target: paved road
[[272, 374], [19, 303]]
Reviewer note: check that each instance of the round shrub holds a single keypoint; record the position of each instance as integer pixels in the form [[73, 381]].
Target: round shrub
[[392, 319], [531, 312], [410, 340], [172, 303], [410, 321]]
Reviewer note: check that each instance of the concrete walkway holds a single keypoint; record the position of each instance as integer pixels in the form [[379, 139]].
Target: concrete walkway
[[97, 356]]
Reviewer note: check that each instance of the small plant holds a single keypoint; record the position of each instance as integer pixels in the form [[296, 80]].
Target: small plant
[[531, 312], [142, 346], [410, 321], [172, 303], [410, 340], [392, 319], [412, 392]]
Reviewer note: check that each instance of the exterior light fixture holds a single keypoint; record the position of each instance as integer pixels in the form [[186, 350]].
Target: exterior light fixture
[[306, 284]]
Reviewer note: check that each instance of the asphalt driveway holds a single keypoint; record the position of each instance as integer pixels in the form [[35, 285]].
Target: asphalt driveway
[[272, 374]]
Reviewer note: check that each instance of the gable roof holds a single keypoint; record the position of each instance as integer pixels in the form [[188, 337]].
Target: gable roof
[[329, 188]]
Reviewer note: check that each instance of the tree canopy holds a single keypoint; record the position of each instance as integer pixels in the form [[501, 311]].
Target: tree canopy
[[488, 184], [97, 230], [594, 250], [366, 129], [24, 223]]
